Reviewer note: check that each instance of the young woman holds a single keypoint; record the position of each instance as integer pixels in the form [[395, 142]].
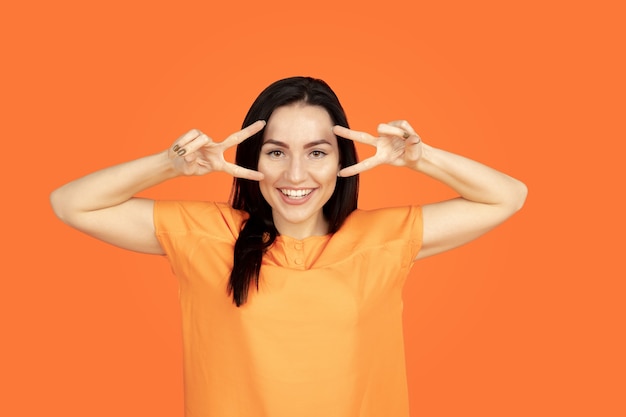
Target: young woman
[[290, 295]]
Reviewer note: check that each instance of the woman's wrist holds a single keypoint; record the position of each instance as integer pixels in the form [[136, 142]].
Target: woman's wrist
[[426, 160], [165, 166]]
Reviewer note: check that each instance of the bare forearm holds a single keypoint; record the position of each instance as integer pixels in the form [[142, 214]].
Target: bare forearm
[[111, 186], [472, 180]]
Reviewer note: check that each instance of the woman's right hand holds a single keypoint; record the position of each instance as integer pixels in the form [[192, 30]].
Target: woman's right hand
[[194, 153]]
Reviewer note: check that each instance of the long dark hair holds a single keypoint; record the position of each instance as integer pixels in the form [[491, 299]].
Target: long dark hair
[[258, 232]]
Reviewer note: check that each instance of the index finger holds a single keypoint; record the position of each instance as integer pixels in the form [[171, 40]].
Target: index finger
[[241, 172], [359, 167], [238, 137], [354, 135]]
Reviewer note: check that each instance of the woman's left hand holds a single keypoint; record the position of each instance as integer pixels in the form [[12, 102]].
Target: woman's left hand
[[397, 145]]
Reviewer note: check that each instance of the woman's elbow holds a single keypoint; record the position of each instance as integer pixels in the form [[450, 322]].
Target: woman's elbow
[[60, 206], [519, 192]]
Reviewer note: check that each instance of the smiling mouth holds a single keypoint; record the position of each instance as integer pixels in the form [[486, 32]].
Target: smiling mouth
[[296, 193]]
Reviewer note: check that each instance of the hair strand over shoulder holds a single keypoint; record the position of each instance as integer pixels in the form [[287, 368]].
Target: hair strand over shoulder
[[259, 232]]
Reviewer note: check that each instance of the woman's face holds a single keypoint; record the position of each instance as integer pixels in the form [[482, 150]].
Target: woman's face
[[300, 161]]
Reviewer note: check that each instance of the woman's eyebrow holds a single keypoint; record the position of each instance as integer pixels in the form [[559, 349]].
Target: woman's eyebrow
[[317, 143], [275, 142], [306, 146]]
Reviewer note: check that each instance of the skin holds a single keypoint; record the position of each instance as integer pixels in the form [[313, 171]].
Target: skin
[[102, 204], [300, 158], [486, 197]]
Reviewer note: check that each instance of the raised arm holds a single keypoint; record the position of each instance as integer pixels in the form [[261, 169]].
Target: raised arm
[[102, 205], [486, 197]]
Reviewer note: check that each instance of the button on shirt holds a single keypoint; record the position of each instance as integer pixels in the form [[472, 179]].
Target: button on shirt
[[322, 336]]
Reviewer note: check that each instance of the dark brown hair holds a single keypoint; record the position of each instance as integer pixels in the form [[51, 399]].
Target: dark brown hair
[[258, 232]]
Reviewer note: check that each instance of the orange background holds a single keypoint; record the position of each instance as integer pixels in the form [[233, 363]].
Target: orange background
[[526, 321]]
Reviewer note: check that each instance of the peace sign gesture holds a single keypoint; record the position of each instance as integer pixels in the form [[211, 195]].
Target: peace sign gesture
[[194, 153], [397, 145]]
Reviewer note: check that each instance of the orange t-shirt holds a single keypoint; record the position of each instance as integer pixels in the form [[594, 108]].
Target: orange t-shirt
[[322, 336]]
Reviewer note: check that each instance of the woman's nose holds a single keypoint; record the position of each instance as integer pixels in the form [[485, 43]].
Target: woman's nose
[[296, 170]]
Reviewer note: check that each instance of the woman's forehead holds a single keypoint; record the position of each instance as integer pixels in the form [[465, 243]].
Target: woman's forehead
[[299, 121]]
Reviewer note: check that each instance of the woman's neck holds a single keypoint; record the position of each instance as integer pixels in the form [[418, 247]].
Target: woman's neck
[[301, 231]]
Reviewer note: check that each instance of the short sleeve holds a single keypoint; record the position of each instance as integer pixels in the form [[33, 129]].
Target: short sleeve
[[181, 226], [396, 224]]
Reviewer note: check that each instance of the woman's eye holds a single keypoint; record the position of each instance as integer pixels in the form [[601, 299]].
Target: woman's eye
[[318, 154], [275, 153]]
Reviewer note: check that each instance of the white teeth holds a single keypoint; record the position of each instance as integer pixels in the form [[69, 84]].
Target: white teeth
[[296, 193]]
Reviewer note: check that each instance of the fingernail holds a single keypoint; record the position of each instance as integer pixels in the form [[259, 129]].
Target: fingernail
[[176, 148], [181, 152]]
